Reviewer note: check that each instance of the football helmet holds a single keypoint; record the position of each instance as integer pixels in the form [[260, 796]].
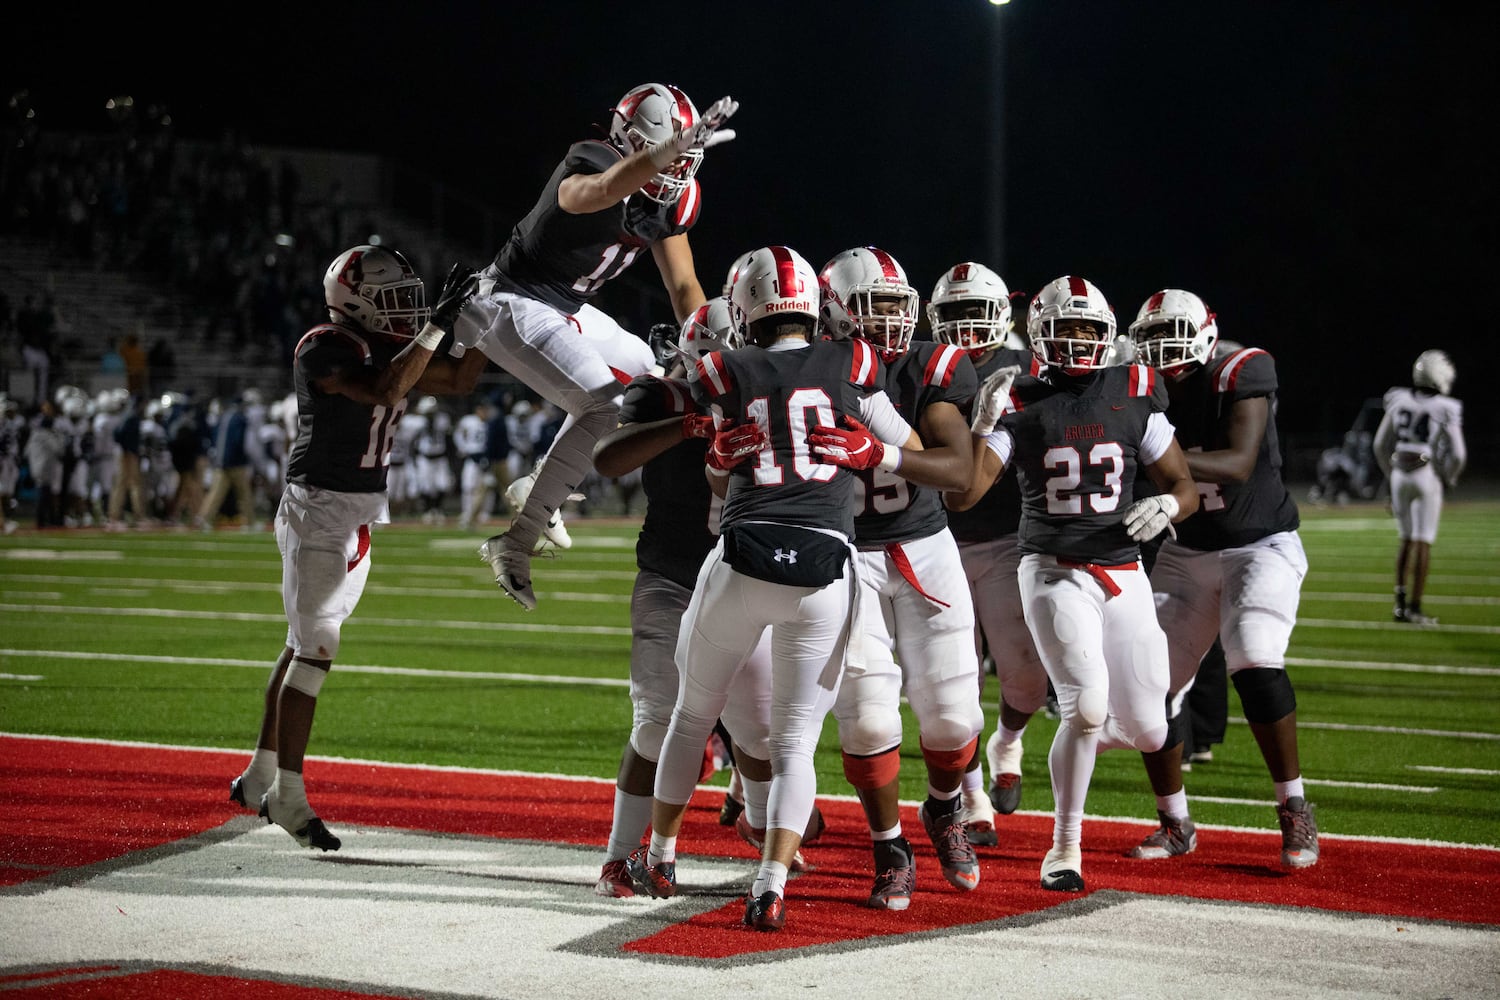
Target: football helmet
[[376, 288], [1174, 332], [775, 281], [1070, 298], [427, 405], [708, 329], [970, 288], [1434, 370], [734, 270], [647, 115], [852, 284]]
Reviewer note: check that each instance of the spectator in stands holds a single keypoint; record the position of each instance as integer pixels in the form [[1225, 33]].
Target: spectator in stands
[[112, 362], [161, 364]]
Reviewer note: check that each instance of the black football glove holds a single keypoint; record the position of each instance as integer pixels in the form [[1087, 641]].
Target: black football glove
[[663, 341], [458, 288]]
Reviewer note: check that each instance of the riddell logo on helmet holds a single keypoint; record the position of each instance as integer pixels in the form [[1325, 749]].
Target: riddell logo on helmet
[[793, 306]]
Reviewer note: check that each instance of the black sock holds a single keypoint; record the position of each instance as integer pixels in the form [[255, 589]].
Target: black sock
[[943, 807]]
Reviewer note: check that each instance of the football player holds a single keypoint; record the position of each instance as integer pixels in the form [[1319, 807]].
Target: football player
[[917, 612], [1235, 571], [1420, 448], [971, 310], [476, 480], [1078, 433], [604, 204], [352, 376], [783, 561]]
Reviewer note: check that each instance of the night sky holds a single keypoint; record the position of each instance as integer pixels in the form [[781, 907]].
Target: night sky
[[1319, 172]]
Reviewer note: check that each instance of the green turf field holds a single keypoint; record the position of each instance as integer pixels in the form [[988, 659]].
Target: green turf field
[[168, 637]]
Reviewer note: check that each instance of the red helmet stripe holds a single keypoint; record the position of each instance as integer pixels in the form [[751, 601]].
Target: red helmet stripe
[[633, 100], [887, 264], [684, 107], [787, 282], [960, 272], [1154, 303], [1077, 287]]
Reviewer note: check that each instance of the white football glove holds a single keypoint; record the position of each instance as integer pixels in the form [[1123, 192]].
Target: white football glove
[[1145, 519], [706, 134], [992, 398]]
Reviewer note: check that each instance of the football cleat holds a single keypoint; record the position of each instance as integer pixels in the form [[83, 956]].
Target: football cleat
[[512, 568], [305, 828], [895, 875], [243, 790], [1062, 869], [554, 531], [1005, 793], [730, 810], [1299, 833], [951, 842], [615, 881], [659, 881], [756, 838], [766, 912], [1172, 838], [979, 819], [1414, 617], [815, 827]]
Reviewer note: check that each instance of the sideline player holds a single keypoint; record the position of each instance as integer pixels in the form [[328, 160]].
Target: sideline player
[[352, 376], [1235, 570], [1078, 435], [604, 204], [918, 615], [1420, 448]]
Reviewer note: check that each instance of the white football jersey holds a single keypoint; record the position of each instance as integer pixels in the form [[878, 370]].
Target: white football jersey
[[1421, 427]]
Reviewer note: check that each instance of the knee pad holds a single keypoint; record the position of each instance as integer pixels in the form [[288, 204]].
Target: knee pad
[[1090, 709], [304, 677], [875, 771], [872, 730], [646, 738], [1265, 694]]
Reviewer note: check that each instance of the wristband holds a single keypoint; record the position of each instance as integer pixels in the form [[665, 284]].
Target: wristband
[[890, 459], [430, 337]]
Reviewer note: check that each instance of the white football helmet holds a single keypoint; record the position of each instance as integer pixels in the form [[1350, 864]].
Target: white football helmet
[[649, 114], [376, 288], [1174, 332], [1070, 298], [427, 405], [776, 281], [966, 289], [709, 328], [1434, 370], [851, 283], [734, 269]]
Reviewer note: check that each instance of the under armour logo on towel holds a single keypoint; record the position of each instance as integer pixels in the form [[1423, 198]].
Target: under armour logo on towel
[[789, 555]]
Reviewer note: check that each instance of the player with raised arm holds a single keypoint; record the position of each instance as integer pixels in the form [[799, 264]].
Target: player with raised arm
[[604, 203], [783, 561], [1077, 434], [352, 376]]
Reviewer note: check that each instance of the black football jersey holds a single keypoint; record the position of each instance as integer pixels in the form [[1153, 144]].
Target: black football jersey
[[998, 512], [1232, 514], [563, 259], [682, 513], [891, 509], [342, 444], [1076, 455], [789, 392]]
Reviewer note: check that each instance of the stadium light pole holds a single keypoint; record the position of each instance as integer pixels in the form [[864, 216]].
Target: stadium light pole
[[995, 186]]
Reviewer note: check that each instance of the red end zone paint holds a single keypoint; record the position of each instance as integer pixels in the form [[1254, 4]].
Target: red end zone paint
[[73, 804], [154, 984]]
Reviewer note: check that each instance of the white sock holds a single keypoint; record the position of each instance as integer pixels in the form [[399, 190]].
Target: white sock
[[1289, 790], [973, 780], [662, 849], [757, 794], [288, 788], [770, 878], [891, 834], [1174, 805]]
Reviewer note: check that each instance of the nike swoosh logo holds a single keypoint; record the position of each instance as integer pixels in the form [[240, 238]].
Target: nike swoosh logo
[[1113, 407]]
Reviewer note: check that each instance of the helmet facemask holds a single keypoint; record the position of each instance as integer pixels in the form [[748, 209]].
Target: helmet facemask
[[884, 316], [1172, 345], [377, 289], [1076, 345], [976, 324]]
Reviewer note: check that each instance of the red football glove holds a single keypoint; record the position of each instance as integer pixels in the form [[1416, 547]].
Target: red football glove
[[732, 445], [855, 448], [697, 425]]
